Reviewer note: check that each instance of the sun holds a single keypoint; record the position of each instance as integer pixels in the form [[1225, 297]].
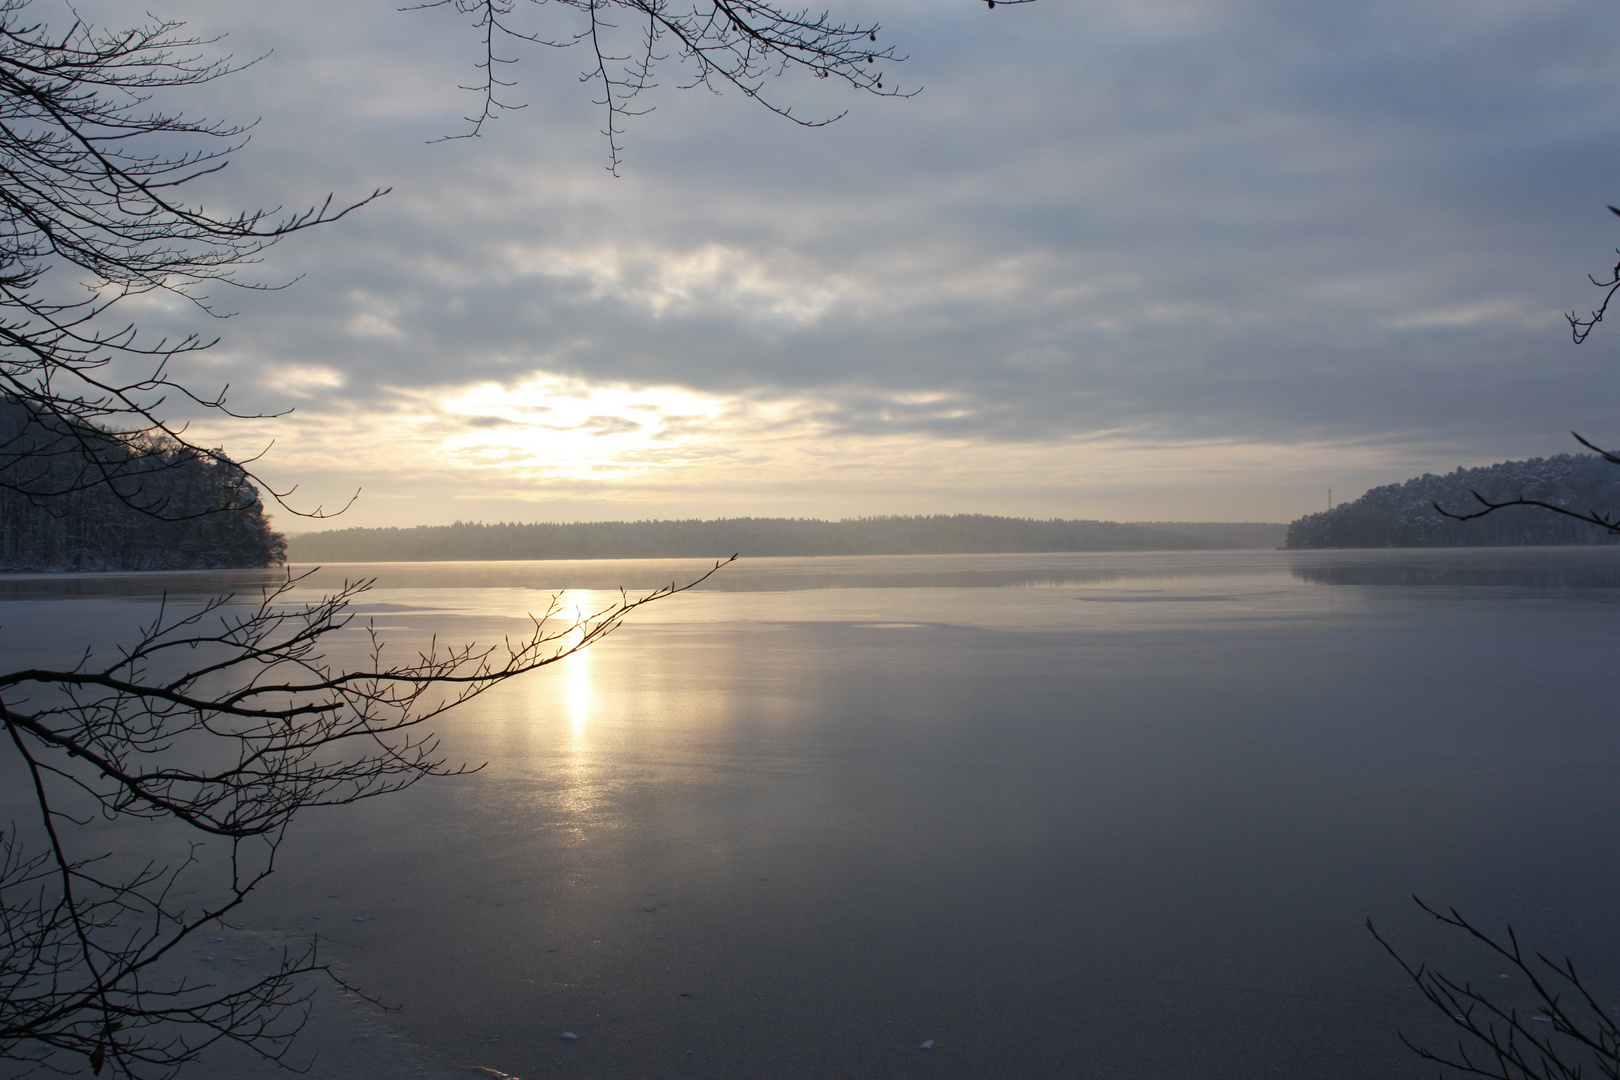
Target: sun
[[563, 427]]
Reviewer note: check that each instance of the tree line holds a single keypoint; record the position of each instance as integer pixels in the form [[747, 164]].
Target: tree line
[[76, 497], [1411, 514], [938, 534]]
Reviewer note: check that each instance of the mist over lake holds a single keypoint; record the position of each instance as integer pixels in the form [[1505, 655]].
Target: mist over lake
[[1112, 815]]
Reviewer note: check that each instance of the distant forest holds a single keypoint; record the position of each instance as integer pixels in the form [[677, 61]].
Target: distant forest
[[941, 534], [1403, 515], [59, 513]]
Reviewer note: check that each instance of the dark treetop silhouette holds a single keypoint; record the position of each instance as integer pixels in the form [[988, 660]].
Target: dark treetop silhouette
[[215, 725], [212, 515]]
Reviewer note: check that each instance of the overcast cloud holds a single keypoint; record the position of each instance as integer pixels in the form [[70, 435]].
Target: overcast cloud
[[1124, 260]]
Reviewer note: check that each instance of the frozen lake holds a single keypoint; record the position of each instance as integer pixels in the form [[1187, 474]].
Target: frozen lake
[[1100, 815]]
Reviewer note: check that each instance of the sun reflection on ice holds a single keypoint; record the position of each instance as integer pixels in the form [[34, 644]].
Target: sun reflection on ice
[[579, 694], [566, 711]]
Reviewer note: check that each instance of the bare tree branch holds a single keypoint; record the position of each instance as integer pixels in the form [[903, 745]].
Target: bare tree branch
[[1600, 518], [91, 177], [1557, 1041], [1580, 328], [217, 727], [741, 44], [228, 725]]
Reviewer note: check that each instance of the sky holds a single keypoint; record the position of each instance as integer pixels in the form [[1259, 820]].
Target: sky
[[1144, 260]]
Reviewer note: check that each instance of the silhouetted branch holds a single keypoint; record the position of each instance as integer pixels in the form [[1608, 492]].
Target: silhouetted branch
[[1555, 1042], [740, 44], [1580, 328], [1596, 517], [214, 724], [226, 725], [90, 178]]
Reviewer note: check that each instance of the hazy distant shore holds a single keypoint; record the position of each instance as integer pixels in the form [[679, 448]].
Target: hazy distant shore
[[958, 534]]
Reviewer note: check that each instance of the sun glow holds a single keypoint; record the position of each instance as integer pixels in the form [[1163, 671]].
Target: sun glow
[[563, 428]]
